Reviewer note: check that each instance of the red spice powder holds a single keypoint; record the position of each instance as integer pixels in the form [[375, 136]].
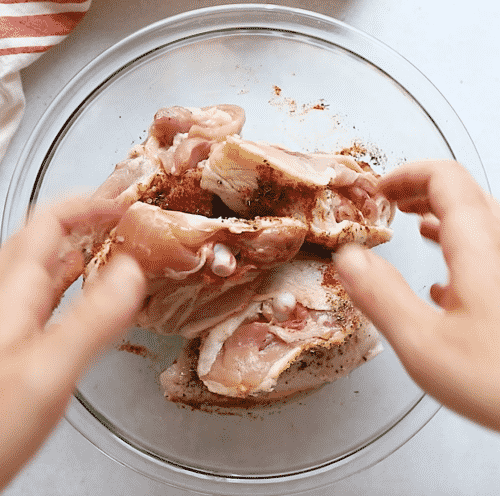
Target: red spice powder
[[330, 277], [136, 349]]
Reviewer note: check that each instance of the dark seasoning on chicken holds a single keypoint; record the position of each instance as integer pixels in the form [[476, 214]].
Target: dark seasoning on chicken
[[235, 238]]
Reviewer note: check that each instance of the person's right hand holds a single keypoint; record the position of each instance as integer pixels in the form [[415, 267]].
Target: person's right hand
[[452, 352], [40, 362]]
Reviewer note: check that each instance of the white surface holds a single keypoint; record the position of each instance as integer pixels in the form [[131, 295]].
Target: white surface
[[456, 44]]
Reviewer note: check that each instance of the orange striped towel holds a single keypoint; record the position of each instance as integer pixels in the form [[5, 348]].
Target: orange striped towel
[[27, 29]]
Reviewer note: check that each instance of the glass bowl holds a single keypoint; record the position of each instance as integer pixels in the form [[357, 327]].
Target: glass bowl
[[308, 82]]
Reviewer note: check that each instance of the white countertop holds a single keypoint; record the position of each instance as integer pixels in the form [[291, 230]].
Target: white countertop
[[456, 44]]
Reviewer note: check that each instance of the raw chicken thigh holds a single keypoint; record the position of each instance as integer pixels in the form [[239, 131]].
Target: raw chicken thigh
[[218, 224], [192, 261], [331, 193], [299, 314]]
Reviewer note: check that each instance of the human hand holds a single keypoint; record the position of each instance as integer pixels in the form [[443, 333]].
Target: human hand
[[40, 364], [452, 352]]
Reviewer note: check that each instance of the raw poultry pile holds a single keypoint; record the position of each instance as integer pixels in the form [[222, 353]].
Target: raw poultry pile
[[235, 238]]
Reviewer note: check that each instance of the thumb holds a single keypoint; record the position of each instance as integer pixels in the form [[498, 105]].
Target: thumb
[[382, 294], [105, 309]]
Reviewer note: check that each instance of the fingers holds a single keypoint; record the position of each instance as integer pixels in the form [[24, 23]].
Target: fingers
[[25, 304], [418, 205], [40, 240], [442, 182], [445, 297], [103, 311], [469, 228], [429, 228], [441, 187], [33, 263], [41, 377], [50, 224], [382, 294]]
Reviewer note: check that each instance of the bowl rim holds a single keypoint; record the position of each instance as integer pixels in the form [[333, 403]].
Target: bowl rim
[[377, 53], [177, 476], [116, 57]]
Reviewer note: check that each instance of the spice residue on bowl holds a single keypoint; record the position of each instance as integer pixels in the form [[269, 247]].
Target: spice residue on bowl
[[136, 349], [291, 105]]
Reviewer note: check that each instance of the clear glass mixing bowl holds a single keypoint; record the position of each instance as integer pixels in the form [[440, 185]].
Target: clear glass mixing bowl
[[308, 82]]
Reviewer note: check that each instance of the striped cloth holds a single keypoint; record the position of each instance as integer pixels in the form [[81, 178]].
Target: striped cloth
[[27, 29]]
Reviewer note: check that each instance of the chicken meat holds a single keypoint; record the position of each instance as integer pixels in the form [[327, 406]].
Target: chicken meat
[[331, 193], [192, 261], [299, 331], [220, 227]]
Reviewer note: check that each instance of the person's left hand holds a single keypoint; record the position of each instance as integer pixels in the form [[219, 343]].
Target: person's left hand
[[40, 363]]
